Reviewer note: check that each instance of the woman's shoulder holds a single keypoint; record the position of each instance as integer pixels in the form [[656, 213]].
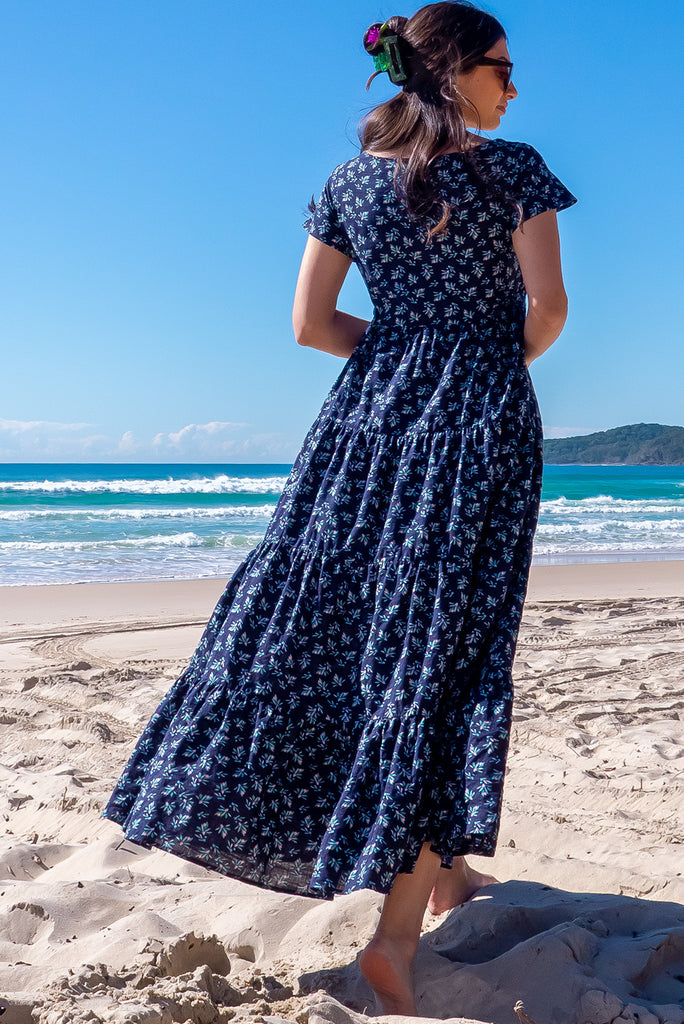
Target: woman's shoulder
[[505, 156], [526, 173], [359, 172], [522, 152], [516, 160], [366, 164], [361, 164]]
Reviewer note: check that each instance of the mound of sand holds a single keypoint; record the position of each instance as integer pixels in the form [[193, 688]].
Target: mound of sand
[[570, 958]]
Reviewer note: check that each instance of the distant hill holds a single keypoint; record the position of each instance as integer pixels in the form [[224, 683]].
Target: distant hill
[[638, 444]]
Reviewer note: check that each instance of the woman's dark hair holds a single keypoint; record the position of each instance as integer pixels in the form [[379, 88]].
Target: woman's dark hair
[[440, 41]]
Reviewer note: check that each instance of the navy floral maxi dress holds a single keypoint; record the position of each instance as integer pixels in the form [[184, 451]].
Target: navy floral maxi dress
[[350, 698]]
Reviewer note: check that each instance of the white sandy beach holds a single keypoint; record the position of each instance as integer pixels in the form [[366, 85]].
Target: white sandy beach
[[587, 927]]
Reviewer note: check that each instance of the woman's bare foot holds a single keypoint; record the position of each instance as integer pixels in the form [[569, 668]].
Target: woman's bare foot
[[456, 885], [386, 964], [387, 961]]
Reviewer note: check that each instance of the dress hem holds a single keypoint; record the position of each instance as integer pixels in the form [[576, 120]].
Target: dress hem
[[275, 878]]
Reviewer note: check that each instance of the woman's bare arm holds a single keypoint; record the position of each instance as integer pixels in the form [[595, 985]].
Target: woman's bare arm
[[537, 247], [316, 320]]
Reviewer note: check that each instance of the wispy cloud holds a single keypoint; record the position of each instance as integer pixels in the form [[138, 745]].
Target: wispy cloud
[[217, 441], [199, 437], [569, 431], [48, 441], [21, 427], [220, 441]]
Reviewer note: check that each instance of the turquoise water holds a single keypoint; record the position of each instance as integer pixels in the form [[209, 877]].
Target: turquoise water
[[90, 522]]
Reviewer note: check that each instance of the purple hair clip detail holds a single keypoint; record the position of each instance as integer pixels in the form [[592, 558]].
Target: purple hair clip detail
[[372, 36]]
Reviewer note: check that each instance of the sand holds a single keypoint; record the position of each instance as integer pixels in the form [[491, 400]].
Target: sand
[[586, 927]]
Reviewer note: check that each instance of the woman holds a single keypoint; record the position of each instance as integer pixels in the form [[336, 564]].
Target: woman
[[344, 721]]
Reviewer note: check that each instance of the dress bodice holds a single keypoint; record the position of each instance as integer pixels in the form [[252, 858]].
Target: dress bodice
[[468, 277]]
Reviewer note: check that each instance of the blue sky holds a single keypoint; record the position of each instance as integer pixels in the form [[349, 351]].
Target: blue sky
[[156, 159]]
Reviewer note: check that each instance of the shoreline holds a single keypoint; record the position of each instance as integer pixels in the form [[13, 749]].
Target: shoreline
[[545, 560], [29, 611], [607, 557]]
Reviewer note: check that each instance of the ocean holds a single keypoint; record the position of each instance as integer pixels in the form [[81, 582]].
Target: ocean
[[88, 523]]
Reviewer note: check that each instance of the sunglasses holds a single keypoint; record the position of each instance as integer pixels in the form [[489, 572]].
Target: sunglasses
[[496, 63]]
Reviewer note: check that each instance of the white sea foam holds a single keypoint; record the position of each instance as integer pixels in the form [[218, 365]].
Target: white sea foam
[[606, 546], [603, 523], [608, 525], [606, 504], [137, 514], [176, 563], [96, 531], [173, 540], [221, 484]]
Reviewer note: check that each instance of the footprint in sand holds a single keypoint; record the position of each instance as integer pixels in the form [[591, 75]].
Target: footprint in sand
[[25, 923]]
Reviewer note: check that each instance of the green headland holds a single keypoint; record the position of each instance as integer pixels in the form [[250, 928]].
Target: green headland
[[637, 444]]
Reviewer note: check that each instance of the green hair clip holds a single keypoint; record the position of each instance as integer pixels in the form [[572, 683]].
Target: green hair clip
[[385, 53]]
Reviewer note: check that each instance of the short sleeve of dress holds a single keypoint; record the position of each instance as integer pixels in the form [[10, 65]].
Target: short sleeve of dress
[[325, 223], [539, 189]]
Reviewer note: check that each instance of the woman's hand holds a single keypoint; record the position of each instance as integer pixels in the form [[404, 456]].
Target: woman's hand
[[315, 319], [537, 247]]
